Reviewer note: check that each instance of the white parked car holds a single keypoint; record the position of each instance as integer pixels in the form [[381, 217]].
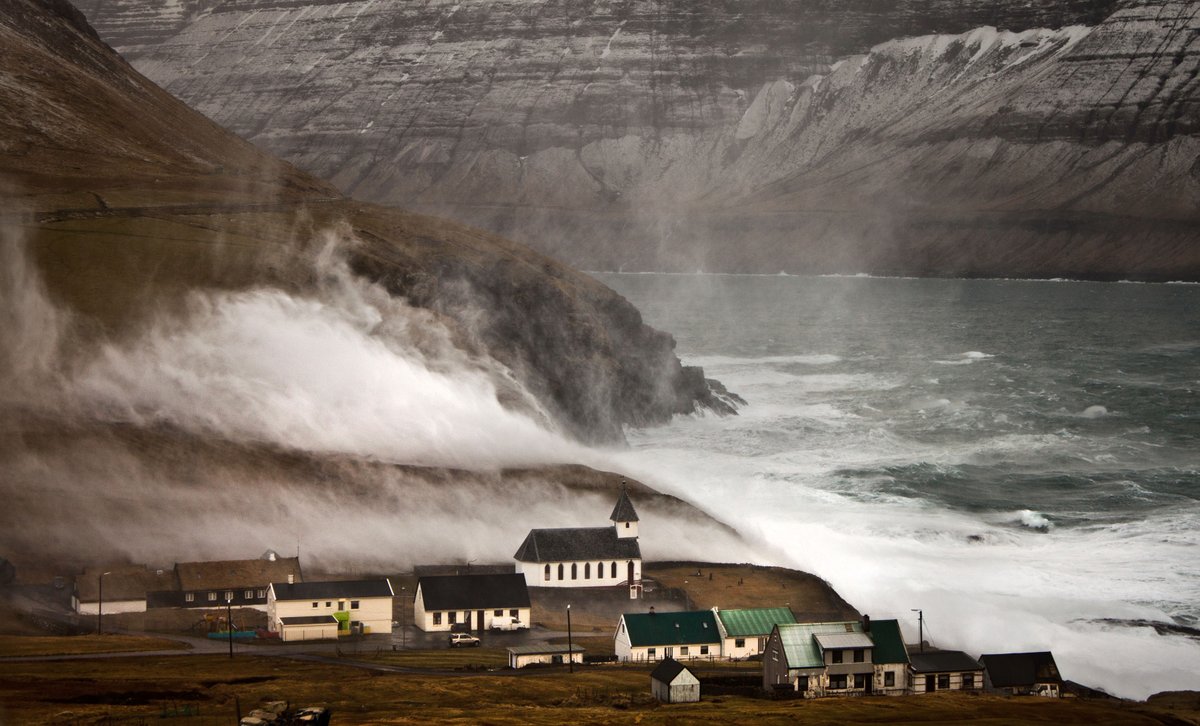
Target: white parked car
[[463, 640]]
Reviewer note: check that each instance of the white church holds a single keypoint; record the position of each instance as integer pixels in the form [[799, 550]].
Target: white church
[[586, 556]]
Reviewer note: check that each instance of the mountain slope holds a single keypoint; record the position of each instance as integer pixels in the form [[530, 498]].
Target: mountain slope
[[621, 135], [129, 200]]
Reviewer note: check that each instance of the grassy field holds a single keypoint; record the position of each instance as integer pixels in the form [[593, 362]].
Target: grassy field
[[87, 692], [752, 586], [27, 645]]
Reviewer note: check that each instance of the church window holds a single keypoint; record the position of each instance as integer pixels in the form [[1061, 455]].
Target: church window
[[574, 571], [547, 572], [560, 571], [587, 571], [614, 571], [599, 570]]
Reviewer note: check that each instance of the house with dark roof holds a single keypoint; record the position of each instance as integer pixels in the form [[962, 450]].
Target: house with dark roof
[[308, 610], [478, 602], [655, 636], [586, 556], [672, 682], [212, 584], [1022, 674], [122, 589], [944, 670], [745, 632]]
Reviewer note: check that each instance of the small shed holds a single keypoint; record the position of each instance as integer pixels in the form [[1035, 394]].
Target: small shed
[[520, 656], [1022, 674], [671, 682], [308, 627]]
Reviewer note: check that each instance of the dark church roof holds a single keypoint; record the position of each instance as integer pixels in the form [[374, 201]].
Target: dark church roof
[[1020, 669], [473, 592], [624, 511], [577, 544]]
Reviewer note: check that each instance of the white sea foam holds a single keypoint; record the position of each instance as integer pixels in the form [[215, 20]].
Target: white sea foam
[[1033, 520], [1093, 412]]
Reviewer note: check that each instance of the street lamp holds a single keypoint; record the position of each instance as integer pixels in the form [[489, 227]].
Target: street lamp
[[100, 606], [570, 648], [403, 618], [229, 619], [920, 628]]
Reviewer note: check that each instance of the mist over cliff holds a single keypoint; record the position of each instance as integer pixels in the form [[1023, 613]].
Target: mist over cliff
[[1020, 139]]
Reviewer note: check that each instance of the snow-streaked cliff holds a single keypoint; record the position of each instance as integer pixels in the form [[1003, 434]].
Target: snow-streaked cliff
[[698, 135]]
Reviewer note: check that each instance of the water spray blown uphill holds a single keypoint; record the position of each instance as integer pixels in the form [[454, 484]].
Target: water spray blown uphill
[[175, 302]]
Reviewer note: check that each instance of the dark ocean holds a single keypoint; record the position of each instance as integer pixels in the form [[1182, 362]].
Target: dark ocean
[[1019, 459]]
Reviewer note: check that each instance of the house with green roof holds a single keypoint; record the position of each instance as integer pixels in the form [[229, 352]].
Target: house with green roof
[[681, 635], [820, 659], [889, 656], [744, 632]]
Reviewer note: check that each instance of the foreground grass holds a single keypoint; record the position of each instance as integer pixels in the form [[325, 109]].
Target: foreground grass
[[86, 691], [27, 645]]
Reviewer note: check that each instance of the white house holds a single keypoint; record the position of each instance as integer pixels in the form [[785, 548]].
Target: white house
[[656, 636], [310, 610], [479, 602], [745, 632], [944, 670], [520, 656], [671, 682], [585, 556]]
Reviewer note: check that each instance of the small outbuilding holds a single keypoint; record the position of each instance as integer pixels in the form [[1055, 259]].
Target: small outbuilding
[[520, 656], [308, 627], [1022, 674], [672, 682]]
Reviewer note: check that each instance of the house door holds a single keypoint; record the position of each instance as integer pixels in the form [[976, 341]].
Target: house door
[[630, 568], [479, 620], [929, 684], [668, 652]]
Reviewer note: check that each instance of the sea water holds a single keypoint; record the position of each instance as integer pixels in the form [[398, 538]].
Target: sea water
[[1020, 460]]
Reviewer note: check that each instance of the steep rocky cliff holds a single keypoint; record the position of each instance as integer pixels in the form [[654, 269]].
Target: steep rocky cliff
[[130, 202], [753, 136]]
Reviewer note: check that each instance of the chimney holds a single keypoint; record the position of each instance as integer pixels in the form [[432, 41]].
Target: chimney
[[866, 623], [651, 609], [291, 579]]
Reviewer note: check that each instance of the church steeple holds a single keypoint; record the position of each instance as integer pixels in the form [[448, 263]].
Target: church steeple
[[624, 516]]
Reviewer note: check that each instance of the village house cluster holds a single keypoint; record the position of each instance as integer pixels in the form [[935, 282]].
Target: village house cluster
[[805, 659]]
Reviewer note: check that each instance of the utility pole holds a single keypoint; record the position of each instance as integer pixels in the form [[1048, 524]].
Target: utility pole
[[229, 620], [100, 605], [570, 648], [920, 628]]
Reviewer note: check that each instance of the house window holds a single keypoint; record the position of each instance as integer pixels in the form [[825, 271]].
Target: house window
[[437, 618], [190, 597], [801, 683], [889, 679], [574, 571], [342, 605], [547, 572], [453, 616], [212, 597], [859, 655], [651, 653], [262, 593], [704, 650], [860, 681], [560, 571], [835, 656], [328, 603], [838, 682], [497, 613], [229, 596], [314, 604], [683, 650], [587, 570], [968, 680], [943, 681], [614, 570], [249, 594], [354, 604], [514, 613], [739, 643]]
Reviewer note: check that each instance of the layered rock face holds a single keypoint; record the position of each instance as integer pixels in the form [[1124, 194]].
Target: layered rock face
[[746, 137]]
